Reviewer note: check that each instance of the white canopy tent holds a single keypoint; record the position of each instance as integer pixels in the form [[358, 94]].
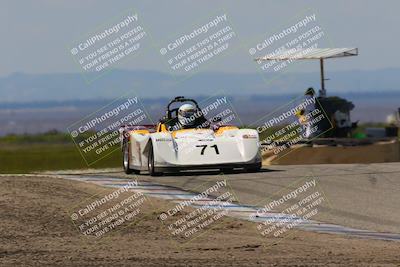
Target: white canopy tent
[[312, 53]]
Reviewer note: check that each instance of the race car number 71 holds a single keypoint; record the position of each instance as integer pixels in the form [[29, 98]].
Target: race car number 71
[[205, 146]]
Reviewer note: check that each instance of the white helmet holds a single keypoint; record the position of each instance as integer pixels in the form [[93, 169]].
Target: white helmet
[[186, 115]]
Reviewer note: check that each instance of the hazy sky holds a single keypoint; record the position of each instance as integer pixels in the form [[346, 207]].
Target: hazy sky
[[35, 33]]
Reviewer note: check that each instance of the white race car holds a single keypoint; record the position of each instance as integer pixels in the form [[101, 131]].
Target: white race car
[[168, 146]]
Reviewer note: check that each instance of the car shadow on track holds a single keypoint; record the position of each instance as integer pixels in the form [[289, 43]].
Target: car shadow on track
[[214, 172]]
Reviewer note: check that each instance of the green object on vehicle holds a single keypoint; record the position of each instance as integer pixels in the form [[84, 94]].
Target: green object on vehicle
[[359, 135]]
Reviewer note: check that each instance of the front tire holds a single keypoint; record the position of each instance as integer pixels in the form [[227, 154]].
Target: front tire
[[125, 158], [150, 162]]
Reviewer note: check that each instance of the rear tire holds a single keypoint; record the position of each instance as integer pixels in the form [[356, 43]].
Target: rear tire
[[150, 162], [125, 158]]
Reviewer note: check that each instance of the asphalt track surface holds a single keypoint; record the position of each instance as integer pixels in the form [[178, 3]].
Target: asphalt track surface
[[360, 196], [363, 196]]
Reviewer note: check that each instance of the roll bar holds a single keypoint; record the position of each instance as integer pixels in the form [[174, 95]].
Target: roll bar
[[181, 99]]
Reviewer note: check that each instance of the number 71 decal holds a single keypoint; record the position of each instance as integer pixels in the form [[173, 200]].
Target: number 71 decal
[[205, 146]]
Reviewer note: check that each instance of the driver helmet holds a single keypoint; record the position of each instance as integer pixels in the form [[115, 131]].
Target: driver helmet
[[186, 114]]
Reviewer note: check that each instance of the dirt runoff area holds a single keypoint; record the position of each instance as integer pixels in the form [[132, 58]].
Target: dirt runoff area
[[36, 230]]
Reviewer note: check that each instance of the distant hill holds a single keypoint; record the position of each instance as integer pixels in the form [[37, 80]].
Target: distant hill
[[20, 87], [38, 103], [41, 116]]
